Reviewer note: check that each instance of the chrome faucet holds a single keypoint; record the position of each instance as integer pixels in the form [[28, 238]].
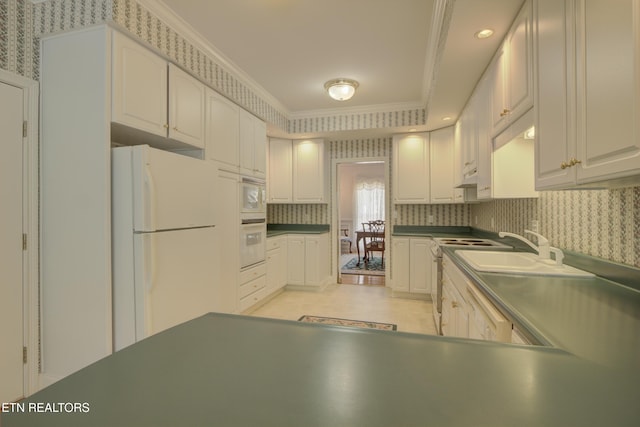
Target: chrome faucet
[[543, 248]]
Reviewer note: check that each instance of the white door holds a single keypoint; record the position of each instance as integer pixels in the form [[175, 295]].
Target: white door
[[174, 278], [11, 281]]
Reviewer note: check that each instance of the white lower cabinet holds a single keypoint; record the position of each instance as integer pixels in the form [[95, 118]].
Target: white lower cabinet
[[307, 259], [276, 263], [411, 264], [466, 312]]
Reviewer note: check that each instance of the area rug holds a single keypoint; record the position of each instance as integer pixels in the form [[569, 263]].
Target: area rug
[[347, 322], [373, 266]]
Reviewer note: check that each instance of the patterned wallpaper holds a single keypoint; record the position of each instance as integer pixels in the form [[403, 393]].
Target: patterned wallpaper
[[18, 48], [358, 121], [600, 223]]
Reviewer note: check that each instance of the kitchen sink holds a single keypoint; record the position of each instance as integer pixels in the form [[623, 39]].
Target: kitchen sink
[[517, 263]]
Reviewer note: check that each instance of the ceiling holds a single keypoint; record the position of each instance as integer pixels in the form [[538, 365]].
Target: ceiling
[[290, 48]]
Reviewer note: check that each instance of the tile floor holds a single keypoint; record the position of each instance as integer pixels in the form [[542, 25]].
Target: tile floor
[[356, 302]]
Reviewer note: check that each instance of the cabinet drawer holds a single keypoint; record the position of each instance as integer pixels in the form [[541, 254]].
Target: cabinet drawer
[[253, 273], [252, 298], [274, 243], [252, 286]]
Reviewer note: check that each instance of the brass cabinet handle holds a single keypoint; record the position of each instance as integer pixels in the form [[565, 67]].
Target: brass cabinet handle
[[467, 163], [505, 112], [570, 163], [166, 126]]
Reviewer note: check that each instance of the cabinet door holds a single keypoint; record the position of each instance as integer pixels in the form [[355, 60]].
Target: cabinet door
[[520, 67], [139, 92], [280, 179], [227, 254], [295, 260], [260, 147], [420, 267], [485, 145], [186, 108], [400, 264], [274, 258], [442, 167], [411, 168], [222, 129], [555, 138], [499, 109], [512, 73], [308, 171], [247, 148], [313, 261], [608, 89]]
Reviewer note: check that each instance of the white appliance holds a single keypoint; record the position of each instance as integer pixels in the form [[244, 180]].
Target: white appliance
[[253, 242], [163, 239], [252, 198]]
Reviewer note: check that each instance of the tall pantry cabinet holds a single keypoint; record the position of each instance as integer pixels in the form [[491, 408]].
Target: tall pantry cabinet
[[97, 88]]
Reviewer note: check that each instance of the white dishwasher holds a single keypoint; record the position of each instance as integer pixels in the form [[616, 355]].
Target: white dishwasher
[[485, 321]]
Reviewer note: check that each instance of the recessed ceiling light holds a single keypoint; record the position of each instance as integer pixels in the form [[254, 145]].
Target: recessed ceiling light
[[484, 33], [446, 118]]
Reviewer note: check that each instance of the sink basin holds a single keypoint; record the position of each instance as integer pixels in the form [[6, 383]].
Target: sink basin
[[517, 263]]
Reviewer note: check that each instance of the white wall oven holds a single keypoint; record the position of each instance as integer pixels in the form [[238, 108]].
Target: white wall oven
[[253, 239]]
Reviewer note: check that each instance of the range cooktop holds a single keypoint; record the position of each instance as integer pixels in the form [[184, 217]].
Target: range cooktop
[[468, 242]]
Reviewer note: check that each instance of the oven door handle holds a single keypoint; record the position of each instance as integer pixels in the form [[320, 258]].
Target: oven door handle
[[254, 220]]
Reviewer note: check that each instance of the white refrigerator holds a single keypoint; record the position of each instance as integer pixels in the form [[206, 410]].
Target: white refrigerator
[[164, 241]]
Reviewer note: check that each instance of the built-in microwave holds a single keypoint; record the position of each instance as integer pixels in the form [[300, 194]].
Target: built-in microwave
[[252, 196]]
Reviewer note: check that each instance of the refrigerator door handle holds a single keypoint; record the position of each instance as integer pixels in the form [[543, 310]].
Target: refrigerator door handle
[[149, 200], [149, 279]]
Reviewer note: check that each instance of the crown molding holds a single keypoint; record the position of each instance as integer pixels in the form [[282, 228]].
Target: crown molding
[[441, 18], [348, 111], [182, 27]]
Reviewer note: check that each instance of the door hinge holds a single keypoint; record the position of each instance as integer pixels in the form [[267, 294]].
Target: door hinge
[[24, 129], [24, 355], [24, 241]]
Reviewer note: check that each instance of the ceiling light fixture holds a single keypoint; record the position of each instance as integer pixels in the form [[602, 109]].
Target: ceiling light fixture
[[341, 89], [483, 34]]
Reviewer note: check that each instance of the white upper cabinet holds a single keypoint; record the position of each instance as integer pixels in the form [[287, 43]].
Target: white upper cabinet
[[222, 130], [280, 170], [442, 172], [153, 96], [411, 168], [587, 93], [297, 171], [139, 90], [253, 145], [485, 145], [512, 72], [186, 108], [309, 176]]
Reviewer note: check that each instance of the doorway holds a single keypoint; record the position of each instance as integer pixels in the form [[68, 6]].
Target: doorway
[[18, 242], [361, 199]]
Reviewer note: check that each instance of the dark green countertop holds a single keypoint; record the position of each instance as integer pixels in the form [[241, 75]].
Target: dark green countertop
[[229, 370], [280, 229], [593, 318]]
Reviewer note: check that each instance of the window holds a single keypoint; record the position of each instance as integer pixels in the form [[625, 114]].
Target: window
[[369, 200]]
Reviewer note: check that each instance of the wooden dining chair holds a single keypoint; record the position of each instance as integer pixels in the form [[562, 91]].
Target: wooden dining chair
[[376, 242]]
